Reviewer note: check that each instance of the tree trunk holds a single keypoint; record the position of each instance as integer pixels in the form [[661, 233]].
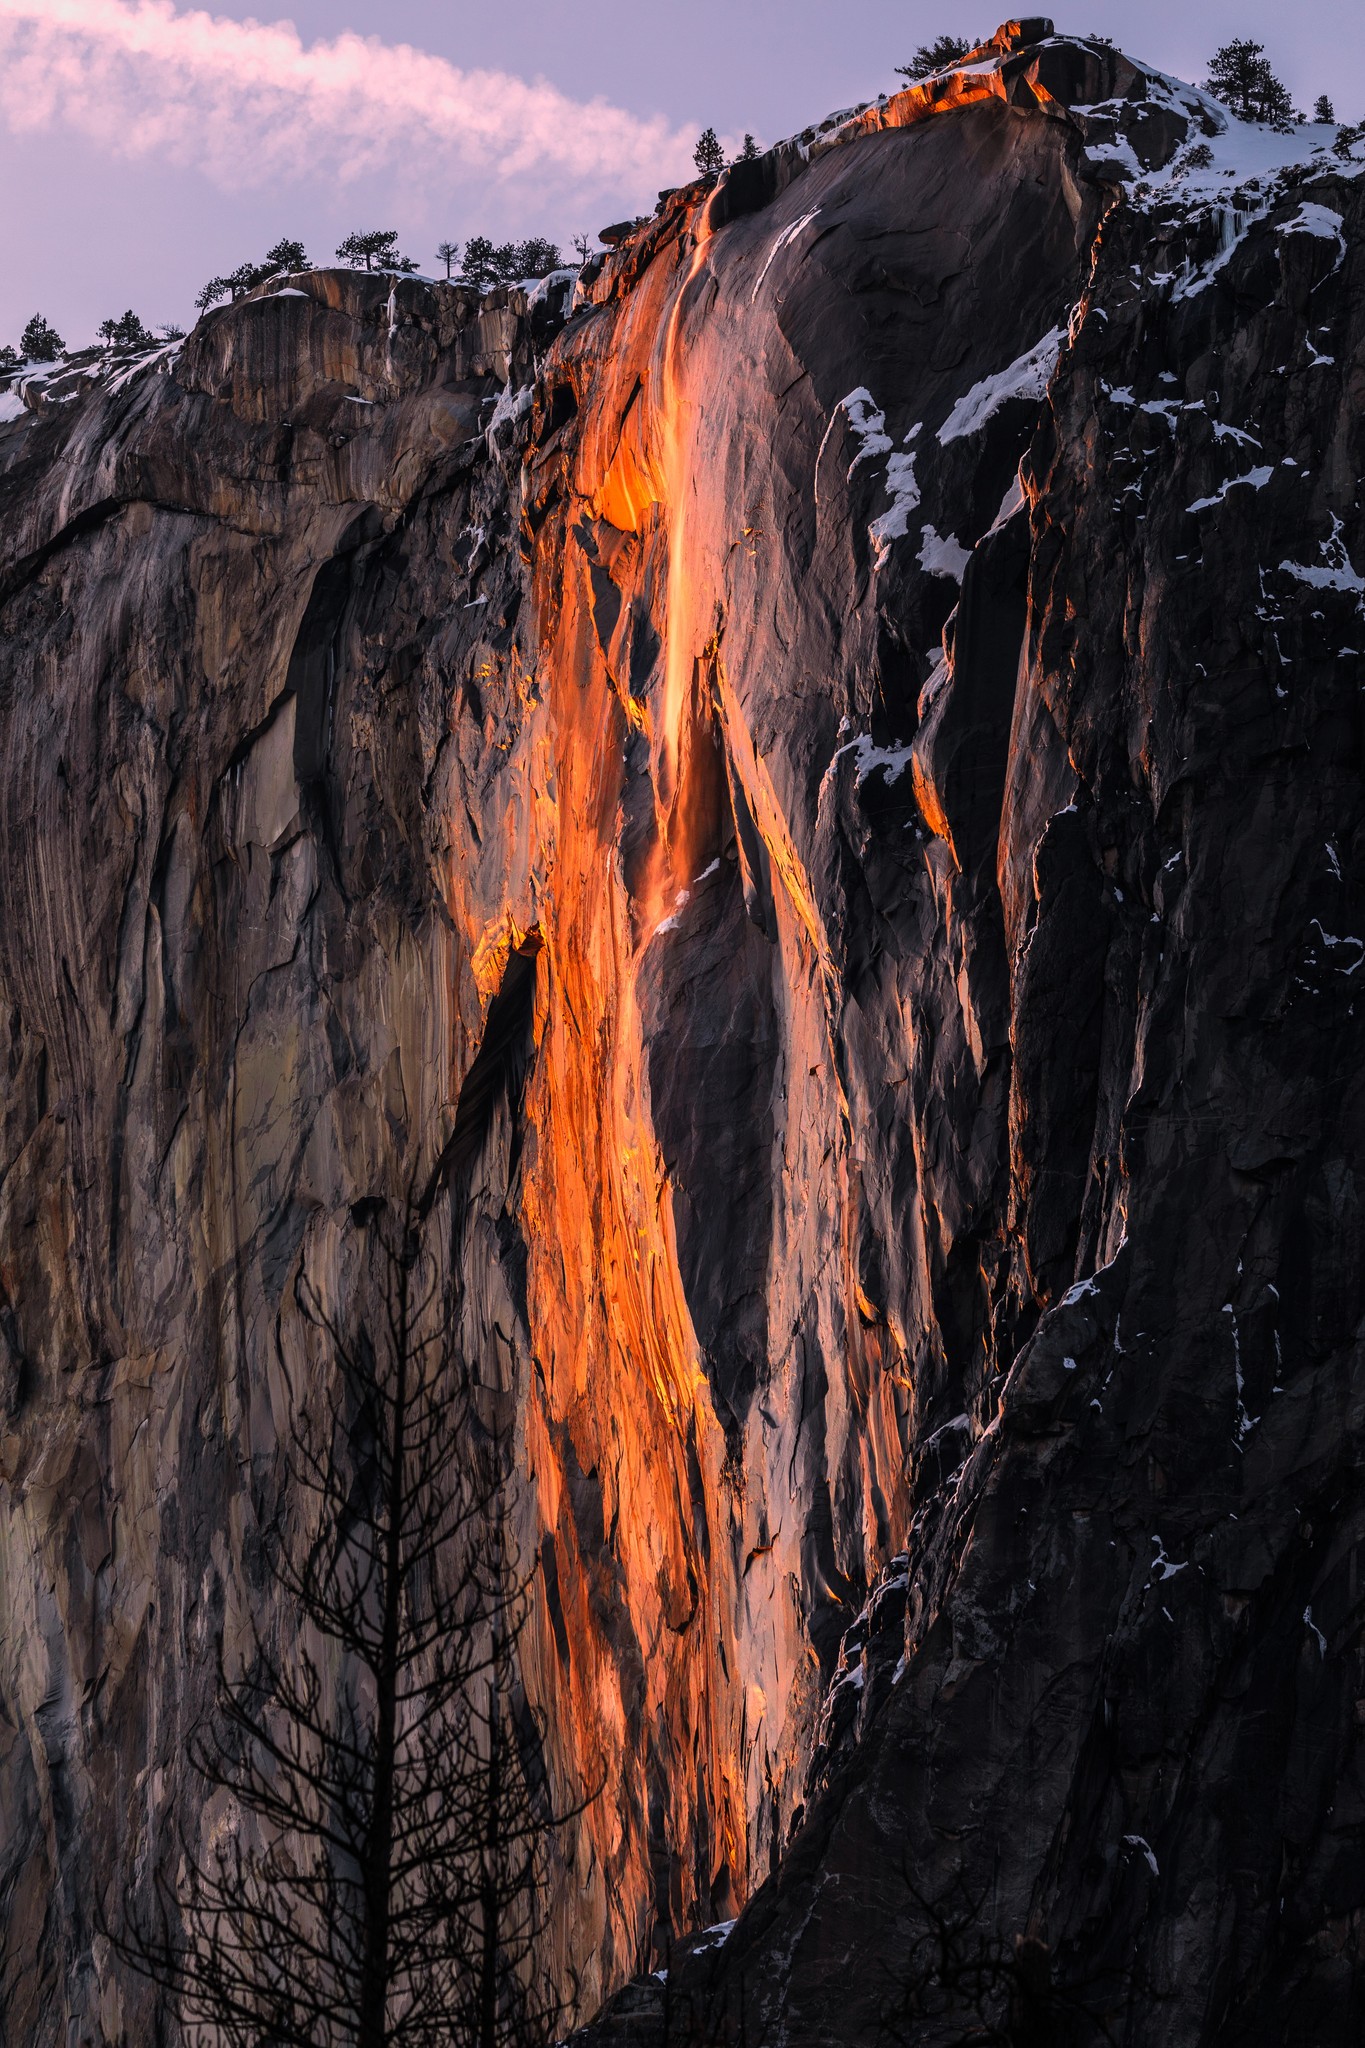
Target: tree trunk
[[372, 2031], [492, 1934]]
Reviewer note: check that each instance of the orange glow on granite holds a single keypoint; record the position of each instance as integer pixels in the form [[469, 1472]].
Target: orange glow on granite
[[697, 1618]]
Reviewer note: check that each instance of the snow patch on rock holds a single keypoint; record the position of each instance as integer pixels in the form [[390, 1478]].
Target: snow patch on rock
[[1334, 572], [1255, 479], [943, 555], [1027, 377]]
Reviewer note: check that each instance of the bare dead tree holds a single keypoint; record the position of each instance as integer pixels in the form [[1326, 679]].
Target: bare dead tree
[[373, 1872]]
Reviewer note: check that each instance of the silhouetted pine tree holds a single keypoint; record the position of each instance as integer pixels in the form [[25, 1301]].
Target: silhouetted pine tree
[[1240, 76], [40, 341], [935, 56], [375, 1875], [287, 256], [376, 249], [488, 263], [708, 156], [127, 331]]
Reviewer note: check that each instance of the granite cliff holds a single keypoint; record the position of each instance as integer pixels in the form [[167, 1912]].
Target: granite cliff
[[809, 777]]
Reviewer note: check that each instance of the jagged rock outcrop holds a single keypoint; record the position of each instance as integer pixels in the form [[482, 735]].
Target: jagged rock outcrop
[[820, 781]]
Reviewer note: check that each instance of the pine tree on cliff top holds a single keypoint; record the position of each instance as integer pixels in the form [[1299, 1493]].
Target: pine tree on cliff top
[[935, 56], [127, 331], [708, 156], [489, 263], [287, 257], [375, 249], [40, 341], [1241, 77], [480, 264], [371, 1864]]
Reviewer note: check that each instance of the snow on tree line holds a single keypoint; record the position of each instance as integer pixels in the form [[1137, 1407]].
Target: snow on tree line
[[1240, 76]]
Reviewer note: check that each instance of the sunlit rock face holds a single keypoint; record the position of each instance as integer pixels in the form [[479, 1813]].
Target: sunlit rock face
[[808, 780]]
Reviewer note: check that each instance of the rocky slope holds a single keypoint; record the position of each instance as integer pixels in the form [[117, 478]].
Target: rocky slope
[[810, 778]]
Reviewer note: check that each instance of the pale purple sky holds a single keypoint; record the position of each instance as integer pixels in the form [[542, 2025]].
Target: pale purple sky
[[145, 145]]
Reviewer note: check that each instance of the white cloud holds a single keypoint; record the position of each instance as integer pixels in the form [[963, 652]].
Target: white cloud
[[248, 103]]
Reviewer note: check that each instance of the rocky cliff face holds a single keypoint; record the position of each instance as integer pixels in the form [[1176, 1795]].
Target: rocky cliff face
[[811, 778]]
